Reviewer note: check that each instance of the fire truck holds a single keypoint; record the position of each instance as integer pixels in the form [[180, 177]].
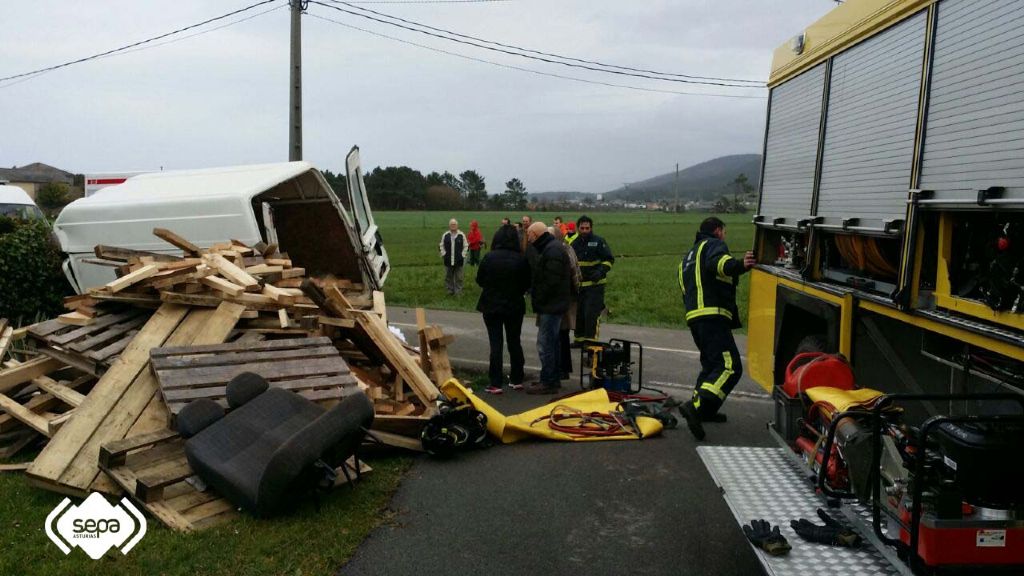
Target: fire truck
[[890, 246]]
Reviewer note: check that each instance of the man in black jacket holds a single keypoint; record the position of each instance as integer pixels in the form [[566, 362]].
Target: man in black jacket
[[595, 260], [504, 276], [708, 276], [550, 296]]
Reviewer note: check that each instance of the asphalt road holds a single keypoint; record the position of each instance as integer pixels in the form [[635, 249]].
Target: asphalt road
[[595, 508], [671, 361]]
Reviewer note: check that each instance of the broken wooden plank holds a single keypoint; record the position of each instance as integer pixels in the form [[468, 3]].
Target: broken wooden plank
[[26, 371], [218, 283], [114, 453], [232, 272], [66, 394], [262, 269], [75, 319], [24, 415], [132, 278], [55, 424], [74, 360], [177, 241], [398, 441], [279, 295], [124, 254], [379, 308], [398, 358], [17, 467], [339, 322], [6, 336]]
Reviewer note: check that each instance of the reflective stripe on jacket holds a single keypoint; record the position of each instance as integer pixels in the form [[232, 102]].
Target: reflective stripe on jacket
[[595, 259], [708, 276]]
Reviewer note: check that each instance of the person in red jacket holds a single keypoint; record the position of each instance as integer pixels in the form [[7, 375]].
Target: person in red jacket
[[476, 242]]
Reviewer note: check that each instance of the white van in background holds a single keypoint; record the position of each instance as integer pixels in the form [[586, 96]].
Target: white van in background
[[16, 203], [287, 203]]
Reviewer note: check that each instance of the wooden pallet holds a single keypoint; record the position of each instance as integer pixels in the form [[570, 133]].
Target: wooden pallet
[[310, 367], [154, 471], [91, 348], [124, 403]]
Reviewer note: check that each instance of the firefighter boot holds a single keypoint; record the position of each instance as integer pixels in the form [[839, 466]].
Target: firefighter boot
[[692, 419]]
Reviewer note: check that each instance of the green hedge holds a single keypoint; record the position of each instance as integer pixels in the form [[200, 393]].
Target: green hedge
[[31, 281]]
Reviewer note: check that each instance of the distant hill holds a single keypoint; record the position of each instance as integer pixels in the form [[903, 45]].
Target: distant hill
[[559, 196], [707, 180]]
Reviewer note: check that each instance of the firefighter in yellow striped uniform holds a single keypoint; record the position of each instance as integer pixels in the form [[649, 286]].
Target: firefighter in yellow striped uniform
[[708, 276], [595, 259]]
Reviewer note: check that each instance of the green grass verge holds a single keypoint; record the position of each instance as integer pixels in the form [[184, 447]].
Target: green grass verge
[[307, 542], [642, 288]]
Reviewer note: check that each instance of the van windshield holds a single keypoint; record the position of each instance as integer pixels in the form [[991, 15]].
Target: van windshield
[[22, 211]]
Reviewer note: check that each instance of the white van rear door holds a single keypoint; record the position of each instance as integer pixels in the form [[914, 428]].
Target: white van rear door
[[371, 243]]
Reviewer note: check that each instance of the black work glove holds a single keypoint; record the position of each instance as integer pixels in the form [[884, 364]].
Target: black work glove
[[832, 533], [769, 539]]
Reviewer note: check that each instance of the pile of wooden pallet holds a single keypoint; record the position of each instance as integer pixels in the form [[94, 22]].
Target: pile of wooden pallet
[[101, 384]]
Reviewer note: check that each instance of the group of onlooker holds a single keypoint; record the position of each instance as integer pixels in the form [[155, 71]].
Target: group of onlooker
[[564, 272], [564, 269]]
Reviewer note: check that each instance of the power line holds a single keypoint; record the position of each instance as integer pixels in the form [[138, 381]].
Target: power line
[[199, 33], [521, 55], [596, 63], [529, 70], [134, 44]]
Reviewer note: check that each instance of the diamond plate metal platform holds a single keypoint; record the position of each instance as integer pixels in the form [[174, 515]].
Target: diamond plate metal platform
[[765, 483]]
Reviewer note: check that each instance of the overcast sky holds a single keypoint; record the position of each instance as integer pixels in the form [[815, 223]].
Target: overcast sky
[[221, 98]]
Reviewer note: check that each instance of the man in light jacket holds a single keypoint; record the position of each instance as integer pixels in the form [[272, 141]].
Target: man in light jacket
[[454, 248]]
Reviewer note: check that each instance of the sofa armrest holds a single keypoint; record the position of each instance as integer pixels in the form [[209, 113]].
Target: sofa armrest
[[335, 434]]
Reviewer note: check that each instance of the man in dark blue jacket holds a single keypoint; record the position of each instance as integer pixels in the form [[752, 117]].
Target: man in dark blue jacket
[[708, 276], [595, 260]]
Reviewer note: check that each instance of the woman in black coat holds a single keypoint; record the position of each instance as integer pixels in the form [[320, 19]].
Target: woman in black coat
[[504, 275]]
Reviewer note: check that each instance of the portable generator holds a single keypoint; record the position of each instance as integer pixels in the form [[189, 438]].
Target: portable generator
[[948, 494], [616, 366]]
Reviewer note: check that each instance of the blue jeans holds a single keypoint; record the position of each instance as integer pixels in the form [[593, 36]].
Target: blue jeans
[[547, 348]]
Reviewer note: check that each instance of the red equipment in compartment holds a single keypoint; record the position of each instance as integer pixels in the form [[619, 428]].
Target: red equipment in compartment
[[964, 546], [810, 369]]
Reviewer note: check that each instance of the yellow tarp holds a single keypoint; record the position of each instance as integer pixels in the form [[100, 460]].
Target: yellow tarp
[[517, 427], [841, 399]]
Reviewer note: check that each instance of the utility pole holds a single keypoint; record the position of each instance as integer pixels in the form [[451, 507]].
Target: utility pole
[[295, 94], [676, 186]]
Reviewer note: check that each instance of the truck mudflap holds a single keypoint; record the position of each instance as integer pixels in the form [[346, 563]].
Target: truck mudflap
[[769, 484]]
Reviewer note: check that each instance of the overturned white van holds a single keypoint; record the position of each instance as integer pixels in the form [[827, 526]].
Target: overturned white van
[[288, 203]]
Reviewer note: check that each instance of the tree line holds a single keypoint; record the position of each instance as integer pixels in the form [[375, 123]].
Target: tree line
[[403, 188]]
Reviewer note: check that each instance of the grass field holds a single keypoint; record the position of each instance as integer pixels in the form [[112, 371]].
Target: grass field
[[642, 287], [303, 543]]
